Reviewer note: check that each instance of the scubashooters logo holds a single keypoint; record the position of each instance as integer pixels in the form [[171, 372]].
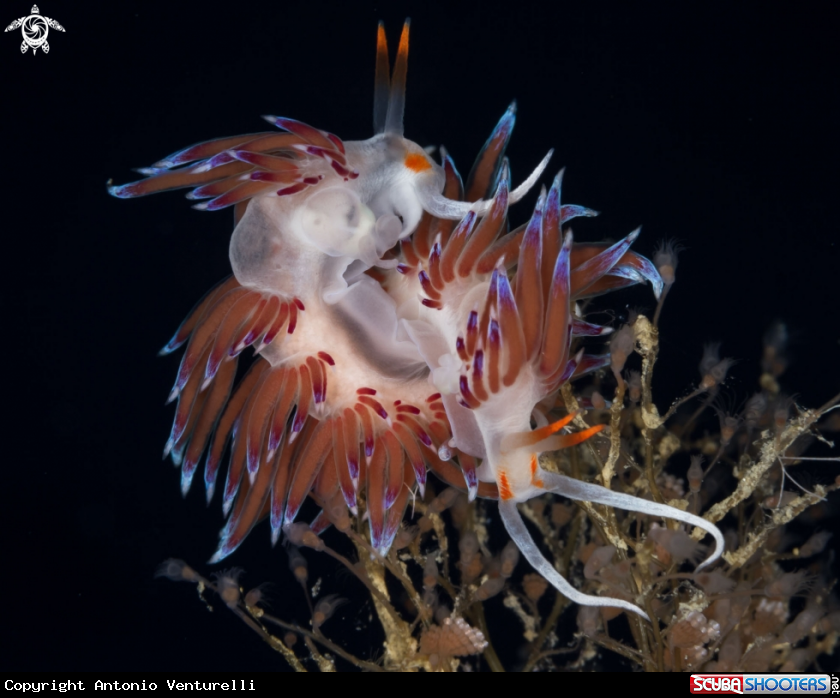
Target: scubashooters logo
[[740, 684], [35, 28]]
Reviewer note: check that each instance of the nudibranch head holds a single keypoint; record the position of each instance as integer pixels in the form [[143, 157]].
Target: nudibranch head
[[396, 177], [399, 326]]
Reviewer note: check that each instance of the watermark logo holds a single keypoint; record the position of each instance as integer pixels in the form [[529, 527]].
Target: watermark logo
[[741, 684], [35, 28]]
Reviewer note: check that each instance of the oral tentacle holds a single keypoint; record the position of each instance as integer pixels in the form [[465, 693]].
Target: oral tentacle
[[522, 537], [576, 489]]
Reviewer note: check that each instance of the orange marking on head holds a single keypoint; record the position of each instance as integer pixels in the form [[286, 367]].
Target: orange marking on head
[[416, 162], [504, 486]]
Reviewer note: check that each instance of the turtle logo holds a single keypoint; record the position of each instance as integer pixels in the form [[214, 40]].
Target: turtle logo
[[35, 28]]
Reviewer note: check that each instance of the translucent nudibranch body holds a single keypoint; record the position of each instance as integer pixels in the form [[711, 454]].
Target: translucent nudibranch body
[[398, 327]]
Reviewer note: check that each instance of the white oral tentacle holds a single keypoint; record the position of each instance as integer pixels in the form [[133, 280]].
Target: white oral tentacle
[[521, 536], [584, 491]]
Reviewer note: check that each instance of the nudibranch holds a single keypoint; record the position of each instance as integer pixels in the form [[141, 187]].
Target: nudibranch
[[398, 326]]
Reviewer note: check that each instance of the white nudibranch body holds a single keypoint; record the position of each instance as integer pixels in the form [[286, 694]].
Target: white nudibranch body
[[399, 326], [280, 244]]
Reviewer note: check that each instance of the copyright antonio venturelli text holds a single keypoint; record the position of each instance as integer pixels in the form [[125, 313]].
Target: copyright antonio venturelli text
[[99, 685]]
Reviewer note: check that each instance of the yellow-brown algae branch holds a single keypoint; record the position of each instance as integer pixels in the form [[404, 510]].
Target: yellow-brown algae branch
[[756, 539], [772, 448]]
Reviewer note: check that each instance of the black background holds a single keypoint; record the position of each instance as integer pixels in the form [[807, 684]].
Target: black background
[[713, 126]]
